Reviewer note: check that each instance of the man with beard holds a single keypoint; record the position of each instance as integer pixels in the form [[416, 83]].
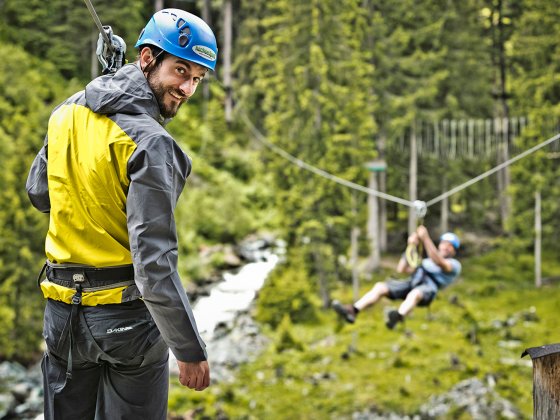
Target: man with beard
[[110, 175]]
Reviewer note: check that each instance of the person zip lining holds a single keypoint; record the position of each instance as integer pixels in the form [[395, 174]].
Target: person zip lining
[[434, 273], [110, 175]]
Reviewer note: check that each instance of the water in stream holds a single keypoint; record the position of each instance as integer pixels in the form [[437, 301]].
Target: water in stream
[[230, 334]]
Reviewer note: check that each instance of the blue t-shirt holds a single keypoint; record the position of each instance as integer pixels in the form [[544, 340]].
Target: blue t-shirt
[[442, 278]]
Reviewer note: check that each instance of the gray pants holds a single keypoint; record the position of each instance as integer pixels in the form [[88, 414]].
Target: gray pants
[[119, 366]]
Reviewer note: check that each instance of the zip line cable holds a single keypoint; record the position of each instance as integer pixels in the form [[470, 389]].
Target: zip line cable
[[493, 170], [320, 172], [99, 25], [418, 205]]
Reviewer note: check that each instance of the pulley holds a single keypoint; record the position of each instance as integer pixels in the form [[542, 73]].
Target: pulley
[[111, 57], [420, 208]]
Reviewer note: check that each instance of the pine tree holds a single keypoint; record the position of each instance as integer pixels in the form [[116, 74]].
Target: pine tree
[[310, 76]]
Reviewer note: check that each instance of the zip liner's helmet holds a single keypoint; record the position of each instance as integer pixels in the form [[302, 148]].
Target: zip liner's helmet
[[452, 239], [181, 34]]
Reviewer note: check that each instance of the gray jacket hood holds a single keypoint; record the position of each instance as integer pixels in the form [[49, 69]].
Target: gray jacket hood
[[126, 92]]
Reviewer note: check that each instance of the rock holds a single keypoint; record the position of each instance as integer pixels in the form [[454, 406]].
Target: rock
[[21, 391], [473, 397], [7, 404], [468, 399]]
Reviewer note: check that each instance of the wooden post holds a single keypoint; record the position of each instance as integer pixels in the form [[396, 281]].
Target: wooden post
[[546, 387], [373, 224], [354, 255], [444, 220], [383, 213], [538, 239], [373, 215]]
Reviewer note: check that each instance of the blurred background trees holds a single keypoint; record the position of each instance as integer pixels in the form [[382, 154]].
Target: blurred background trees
[[333, 83]]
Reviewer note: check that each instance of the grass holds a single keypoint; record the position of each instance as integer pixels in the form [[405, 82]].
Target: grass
[[476, 328]]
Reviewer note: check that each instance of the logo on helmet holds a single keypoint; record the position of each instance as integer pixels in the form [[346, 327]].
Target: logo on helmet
[[204, 52]]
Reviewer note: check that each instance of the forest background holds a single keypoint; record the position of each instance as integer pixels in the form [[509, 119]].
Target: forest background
[[337, 84]]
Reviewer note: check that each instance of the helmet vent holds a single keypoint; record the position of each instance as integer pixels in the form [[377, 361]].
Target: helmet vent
[[184, 31], [183, 40]]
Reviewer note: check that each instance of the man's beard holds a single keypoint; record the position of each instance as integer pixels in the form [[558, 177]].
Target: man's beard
[[159, 90]]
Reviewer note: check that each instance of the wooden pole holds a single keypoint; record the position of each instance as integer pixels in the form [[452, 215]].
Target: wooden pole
[[538, 239], [373, 224], [546, 387], [383, 213], [373, 228]]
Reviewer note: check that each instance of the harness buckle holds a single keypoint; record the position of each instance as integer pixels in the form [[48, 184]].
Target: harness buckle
[[77, 298], [78, 278]]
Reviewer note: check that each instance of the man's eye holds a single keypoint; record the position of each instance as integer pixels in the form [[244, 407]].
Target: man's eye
[[181, 70]]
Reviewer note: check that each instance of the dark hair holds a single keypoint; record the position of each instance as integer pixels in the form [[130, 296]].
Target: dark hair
[[157, 52]]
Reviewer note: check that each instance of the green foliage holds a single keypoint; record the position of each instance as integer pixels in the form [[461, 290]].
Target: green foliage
[[63, 31], [286, 340], [312, 97], [349, 370], [287, 292], [23, 118]]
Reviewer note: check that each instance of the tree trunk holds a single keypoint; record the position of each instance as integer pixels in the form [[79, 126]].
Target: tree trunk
[[538, 239], [323, 287], [502, 112], [158, 5], [412, 218], [227, 59]]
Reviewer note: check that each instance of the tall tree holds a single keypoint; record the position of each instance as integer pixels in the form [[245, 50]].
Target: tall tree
[[23, 118], [535, 52], [61, 32], [310, 74]]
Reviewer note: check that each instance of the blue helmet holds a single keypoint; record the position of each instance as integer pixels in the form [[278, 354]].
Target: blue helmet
[[452, 239], [181, 34]]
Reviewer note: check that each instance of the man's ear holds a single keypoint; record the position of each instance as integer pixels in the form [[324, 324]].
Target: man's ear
[[146, 57]]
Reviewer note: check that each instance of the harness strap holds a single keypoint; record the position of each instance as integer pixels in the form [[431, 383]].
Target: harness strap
[[76, 303], [64, 274], [41, 274]]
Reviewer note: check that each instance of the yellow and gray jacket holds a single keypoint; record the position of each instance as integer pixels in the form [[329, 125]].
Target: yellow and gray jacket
[[112, 182]]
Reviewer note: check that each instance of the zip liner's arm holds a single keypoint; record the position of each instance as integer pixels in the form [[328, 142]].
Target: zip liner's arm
[[432, 250]]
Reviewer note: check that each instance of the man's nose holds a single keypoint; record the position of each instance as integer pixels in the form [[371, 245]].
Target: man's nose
[[188, 87]]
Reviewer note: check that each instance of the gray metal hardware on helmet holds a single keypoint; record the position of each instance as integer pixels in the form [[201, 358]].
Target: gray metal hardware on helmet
[[183, 35]]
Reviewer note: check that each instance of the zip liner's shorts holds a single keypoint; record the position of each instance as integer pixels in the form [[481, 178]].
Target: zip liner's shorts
[[119, 363], [399, 289]]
